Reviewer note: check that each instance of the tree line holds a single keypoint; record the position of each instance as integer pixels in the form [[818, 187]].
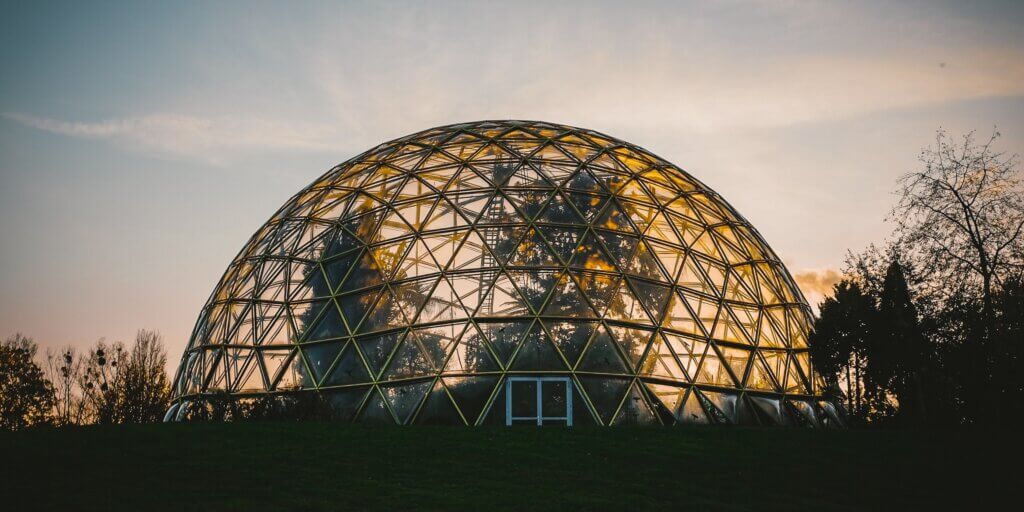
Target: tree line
[[928, 329], [925, 330], [105, 384]]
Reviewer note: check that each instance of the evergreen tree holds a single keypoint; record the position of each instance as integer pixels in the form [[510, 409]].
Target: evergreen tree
[[897, 349]]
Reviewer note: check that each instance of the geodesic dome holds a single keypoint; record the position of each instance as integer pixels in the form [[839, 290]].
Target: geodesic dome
[[505, 272]]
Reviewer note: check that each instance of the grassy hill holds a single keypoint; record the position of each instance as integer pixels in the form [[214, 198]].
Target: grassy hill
[[314, 466]]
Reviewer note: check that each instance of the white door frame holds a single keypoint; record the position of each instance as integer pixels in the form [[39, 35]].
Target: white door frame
[[540, 401]]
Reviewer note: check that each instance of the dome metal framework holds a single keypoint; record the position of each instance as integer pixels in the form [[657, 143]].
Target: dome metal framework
[[506, 272]]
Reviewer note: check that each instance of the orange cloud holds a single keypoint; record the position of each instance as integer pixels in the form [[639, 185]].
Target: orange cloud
[[816, 284]]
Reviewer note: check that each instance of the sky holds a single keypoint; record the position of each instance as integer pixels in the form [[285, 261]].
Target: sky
[[141, 144]]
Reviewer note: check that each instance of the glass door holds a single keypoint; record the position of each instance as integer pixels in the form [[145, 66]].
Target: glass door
[[538, 401]]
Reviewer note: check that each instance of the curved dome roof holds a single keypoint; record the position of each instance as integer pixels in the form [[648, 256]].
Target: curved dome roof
[[411, 282]]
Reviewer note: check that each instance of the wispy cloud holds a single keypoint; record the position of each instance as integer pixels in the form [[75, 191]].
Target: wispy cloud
[[208, 139]]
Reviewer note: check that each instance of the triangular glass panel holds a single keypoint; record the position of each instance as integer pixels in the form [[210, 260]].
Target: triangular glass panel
[[499, 211], [355, 305], [376, 411], [602, 356], [411, 295], [639, 214], [377, 350], [563, 241], [599, 289], [591, 255], [404, 398], [795, 380], [472, 254], [660, 362], [251, 377], [472, 205], [415, 213], [328, 326], [471, 354], [502, 299], [713, 371], [537, 352], [625, 307], [504, 337], [613, 219], [529, 202], [293, 375], [605, 394], [418, 262], [736, 291], [566, 300], [653, 296], [386, 314], [661, 229], [691, 412], [348, 370], [320, 356], [273, 361], [669, 397], [531, 251], [703, 309], [370, 274], [571, 338], [620, 247], [393, 226], [678, 317], [438, 408], [443, 304], [337, 268], [558, 211], [689, 352], [471, 394], [442, 246], [635, 410], [588, 205], [728, 328], [444, 216], [389, 256], [632, 341], [408, 361], [468, 179], [644, 263], [438, 341], [533, 285], [502, 242], [737, 360]]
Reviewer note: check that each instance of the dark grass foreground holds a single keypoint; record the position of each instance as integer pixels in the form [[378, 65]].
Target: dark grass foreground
[[314, 466]]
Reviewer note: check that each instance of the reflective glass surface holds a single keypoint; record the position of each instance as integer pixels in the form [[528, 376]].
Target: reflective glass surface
[[406, 284]]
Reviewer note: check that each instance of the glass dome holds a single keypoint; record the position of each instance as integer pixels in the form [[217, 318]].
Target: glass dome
[[505, 272]]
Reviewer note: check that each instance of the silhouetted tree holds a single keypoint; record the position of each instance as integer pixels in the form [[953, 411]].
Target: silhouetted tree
[[126, 386], [961, 220], [897, 351], [838, 341], [64, 370], [26, 397], [1007, 347], [145, 390]]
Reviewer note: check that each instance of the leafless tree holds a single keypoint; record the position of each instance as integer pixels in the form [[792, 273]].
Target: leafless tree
[[962, 216], [64, 370], [127, 385], [101, 382], [145, 388]]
